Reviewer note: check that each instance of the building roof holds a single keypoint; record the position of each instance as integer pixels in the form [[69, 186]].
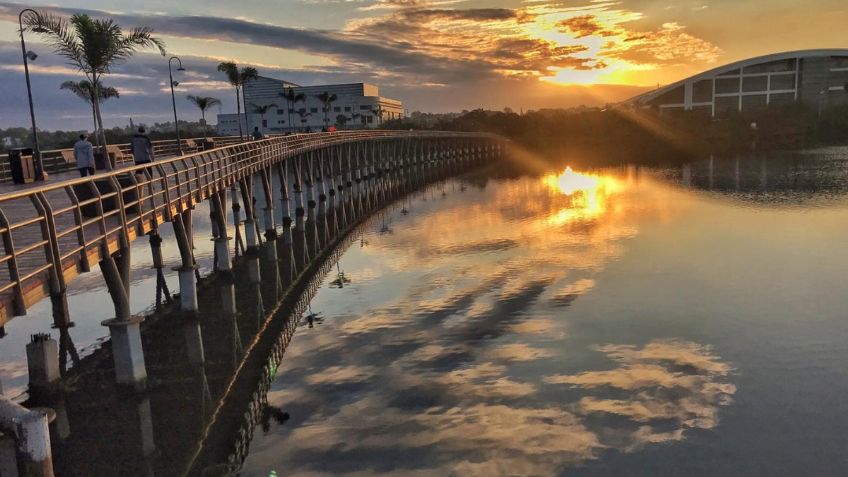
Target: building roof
[[645, 97]]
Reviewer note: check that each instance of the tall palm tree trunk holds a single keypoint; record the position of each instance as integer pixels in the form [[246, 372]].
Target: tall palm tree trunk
[[102, 133], [203, 116], [238, 113], [244, 100], [94, 119]]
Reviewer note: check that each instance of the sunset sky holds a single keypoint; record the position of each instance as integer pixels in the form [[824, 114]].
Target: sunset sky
[[439, 55]]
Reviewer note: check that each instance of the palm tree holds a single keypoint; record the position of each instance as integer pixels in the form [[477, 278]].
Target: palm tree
[[231, 70], [379, 113], [92, 46], [203, 103], [303, 115], [263, 110], [355, 116], [86, 91], [327, 100], [248, 73], [291, 97], [238, 78]]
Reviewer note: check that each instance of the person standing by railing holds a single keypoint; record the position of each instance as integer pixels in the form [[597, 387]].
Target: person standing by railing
[[84, 156], [257, 135], [142, 147]]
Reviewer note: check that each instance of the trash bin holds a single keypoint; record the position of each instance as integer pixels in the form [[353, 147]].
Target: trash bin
[[22, 165], [100, 161]]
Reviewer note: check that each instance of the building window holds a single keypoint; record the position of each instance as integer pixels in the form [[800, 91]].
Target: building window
[[752, 84], [281, 111], [730, 73], [674, 96], [782, 82], [337, 109], [702, 91], [365, 107], [347, 109], [726, 85], [781, 98], [771, 67], [726, 103], [264, 123], [313, 110], [756, 101]]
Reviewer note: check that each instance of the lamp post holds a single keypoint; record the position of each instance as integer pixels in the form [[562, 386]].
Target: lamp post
[[28, 55], [174, 100]]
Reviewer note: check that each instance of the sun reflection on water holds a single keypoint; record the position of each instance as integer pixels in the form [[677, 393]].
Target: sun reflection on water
[[588, 194]]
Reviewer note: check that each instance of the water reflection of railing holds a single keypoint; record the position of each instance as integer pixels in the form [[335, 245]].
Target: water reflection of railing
[[209, 387]]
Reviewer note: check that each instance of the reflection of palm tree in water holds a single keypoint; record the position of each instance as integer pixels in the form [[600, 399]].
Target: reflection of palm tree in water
[[269, 412], [313, 318], [384, 228], [341, 279]]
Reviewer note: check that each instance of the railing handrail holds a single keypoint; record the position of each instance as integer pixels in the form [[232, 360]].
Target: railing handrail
[[286, 138], [158, 142], [67, 223]]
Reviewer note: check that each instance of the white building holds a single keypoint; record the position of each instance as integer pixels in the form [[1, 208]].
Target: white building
[[360, 104], [818, 78]]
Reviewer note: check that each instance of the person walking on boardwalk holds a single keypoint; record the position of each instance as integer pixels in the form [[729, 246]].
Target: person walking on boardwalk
[[142, 148], [84, 156], [257, 135]]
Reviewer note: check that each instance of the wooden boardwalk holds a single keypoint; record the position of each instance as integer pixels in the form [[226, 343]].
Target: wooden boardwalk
[[54, 231]]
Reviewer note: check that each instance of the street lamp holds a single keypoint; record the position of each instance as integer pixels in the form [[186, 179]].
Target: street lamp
[[30, 56], [174, 100]]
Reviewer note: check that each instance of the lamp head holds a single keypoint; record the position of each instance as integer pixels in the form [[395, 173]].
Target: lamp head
[[31, 55], [180, 69], [175, 83]]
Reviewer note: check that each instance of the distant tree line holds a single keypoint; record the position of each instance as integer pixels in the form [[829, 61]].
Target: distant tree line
[[22, 137], [619, 135]]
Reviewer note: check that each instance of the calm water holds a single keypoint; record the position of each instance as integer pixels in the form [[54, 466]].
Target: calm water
[[686, 321], [616, 323]]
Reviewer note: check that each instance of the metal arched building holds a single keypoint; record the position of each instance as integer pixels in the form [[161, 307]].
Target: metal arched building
[[817, 77]]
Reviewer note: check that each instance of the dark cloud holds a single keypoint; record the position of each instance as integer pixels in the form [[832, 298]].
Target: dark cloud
[[341, 47], [473, 14], [462, 67], [583, 26]]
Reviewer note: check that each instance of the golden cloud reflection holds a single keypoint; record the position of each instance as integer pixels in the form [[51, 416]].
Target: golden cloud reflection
[[458, 366]]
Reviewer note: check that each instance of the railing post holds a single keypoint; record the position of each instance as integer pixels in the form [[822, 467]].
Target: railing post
[[251, 237], [186, 270], [218, 204]]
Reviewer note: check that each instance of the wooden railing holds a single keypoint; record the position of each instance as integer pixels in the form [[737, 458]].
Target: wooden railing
[[60, 160], [56, 231]]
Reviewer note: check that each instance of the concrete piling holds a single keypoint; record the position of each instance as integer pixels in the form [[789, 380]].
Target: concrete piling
[[31, 434], [43, 363], [127, 351]]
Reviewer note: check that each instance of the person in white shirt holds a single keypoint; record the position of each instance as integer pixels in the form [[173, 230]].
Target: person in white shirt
[[84, 156]]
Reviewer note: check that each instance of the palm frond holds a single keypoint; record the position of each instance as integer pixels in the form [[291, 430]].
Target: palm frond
[[60, 34], [203, 102], [248, 73], [231, 70], [85, 90]]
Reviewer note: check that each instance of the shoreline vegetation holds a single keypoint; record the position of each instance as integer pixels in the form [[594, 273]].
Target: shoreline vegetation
[[597, 137], [582, 136]]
